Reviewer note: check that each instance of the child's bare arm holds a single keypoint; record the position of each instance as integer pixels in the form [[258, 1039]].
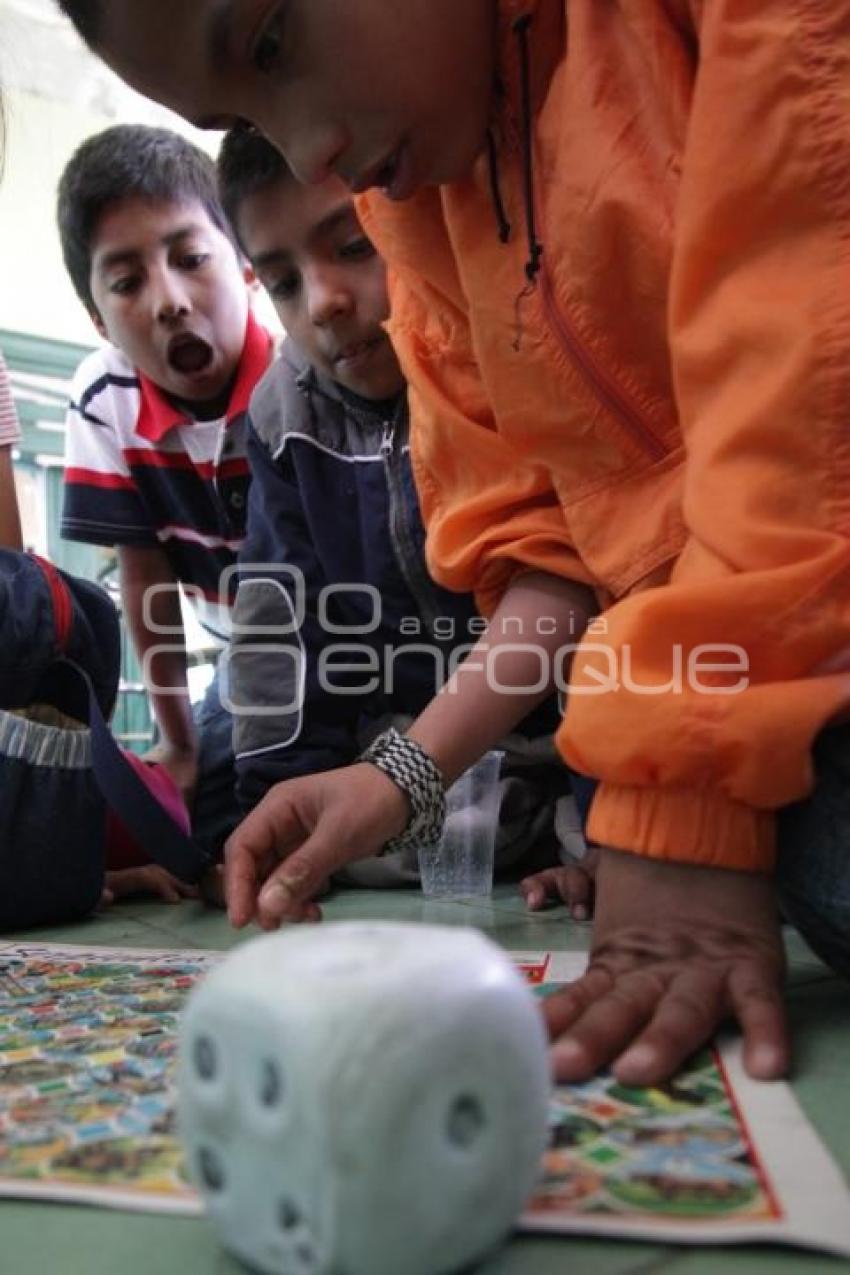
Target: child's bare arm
[[10, 522], [142, 569], [305, 829], [511, 670]]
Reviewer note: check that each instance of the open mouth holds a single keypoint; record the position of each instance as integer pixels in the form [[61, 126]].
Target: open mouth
[[189, 355]]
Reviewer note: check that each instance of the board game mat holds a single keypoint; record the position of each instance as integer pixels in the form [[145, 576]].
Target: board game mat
[[88, 1039]]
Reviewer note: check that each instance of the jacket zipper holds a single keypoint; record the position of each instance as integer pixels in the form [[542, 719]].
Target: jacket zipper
[[603, 386], [405, 555], [601, 383], [404, 550], [63, 611]]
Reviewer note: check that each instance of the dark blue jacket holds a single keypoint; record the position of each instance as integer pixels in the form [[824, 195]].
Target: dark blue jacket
[[333, 571]]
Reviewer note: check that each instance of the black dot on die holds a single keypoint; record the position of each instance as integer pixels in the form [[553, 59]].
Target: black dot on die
[[211, 1169], [206, 1059], [287, 1215], [271, 1084], [465, 1121]]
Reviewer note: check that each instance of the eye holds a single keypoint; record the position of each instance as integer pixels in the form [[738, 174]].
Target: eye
[[268, 47], [125, 286], [285, 288], [360, 249], [193, 260]]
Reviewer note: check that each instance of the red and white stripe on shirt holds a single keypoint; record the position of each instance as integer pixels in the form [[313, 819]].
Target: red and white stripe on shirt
[[138, 472], [10, 430]]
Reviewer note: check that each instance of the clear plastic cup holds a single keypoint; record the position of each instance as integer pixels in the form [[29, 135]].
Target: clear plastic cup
[[461, 866]]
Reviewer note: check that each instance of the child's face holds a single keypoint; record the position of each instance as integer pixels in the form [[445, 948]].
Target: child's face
[[326, 280], [388, 93], [170, 293]]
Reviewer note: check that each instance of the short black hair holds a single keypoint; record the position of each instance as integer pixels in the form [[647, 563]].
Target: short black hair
[[247, 163], [87, 17], [128, 161]]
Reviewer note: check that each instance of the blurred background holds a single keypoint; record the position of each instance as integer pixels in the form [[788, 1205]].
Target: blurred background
[[56, 94]]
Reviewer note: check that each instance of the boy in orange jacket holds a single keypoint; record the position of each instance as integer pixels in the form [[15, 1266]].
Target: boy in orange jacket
[[620, 236]]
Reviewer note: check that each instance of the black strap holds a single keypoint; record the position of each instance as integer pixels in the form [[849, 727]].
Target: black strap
[[134, 803]]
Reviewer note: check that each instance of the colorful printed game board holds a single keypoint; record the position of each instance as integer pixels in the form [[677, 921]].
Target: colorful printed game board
[[88, 1039], [711, 1157]]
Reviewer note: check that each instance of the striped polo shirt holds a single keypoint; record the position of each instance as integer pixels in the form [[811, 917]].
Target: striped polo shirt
[[139, 472], [10, 430]]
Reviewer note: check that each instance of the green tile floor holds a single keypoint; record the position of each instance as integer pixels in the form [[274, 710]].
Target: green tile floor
[[63, 1240]]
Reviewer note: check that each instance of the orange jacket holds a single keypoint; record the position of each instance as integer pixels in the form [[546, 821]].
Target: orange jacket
[[664, 412]]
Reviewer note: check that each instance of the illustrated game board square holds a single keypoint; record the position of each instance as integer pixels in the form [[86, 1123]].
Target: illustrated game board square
[[604, 1155]]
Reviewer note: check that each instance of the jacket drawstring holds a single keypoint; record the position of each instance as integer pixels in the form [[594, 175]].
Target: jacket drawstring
[[496, 190], [535, 247]]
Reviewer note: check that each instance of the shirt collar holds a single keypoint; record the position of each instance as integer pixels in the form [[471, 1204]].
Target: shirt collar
[[157, 415]]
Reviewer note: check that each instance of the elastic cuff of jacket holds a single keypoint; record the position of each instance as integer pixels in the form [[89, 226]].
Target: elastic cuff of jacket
[[684, 825]]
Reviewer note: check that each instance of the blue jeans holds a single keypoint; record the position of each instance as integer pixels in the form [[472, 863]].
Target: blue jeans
[[813, 869], [215, 812]]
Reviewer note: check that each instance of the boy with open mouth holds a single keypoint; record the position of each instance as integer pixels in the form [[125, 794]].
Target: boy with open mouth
[[155, 460]]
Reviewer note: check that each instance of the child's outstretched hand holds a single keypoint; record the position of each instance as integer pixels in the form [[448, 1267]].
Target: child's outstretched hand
[[676, 951], [279, 858], [571, 884]]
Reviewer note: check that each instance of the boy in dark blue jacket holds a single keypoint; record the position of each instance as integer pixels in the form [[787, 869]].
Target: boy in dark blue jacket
[[339, 631]]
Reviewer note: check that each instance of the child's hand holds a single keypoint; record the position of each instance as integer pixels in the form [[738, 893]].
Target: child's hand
[[279, 858], [571, 884], [676, 950], [151, 879]]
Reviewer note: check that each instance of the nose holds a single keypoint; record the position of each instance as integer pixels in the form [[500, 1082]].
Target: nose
[[169, 294], [313, 156], [327, 295]]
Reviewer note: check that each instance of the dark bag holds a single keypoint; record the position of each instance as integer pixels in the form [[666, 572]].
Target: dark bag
[[59, 765]]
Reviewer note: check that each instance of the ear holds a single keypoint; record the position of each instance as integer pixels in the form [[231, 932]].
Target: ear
[[100, 326], [252, 283], [249, 275]]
